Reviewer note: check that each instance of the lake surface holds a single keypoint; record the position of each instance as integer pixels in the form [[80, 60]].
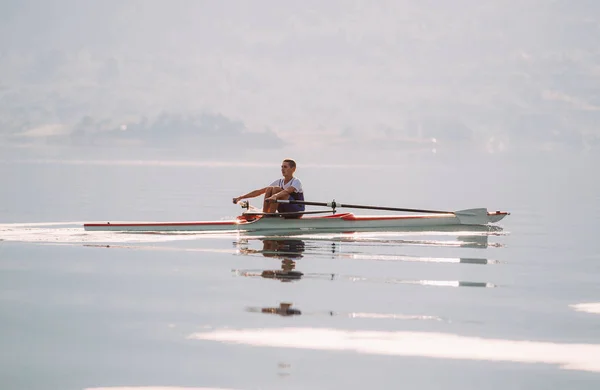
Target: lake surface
[[513, 307]]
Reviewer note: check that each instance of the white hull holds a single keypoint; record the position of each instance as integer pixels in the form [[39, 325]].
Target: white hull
[[338, 222]]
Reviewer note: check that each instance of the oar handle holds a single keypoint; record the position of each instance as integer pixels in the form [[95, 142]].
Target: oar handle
[[335, 204]]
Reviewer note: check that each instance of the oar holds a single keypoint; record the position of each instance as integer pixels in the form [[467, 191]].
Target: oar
[[478, 216]]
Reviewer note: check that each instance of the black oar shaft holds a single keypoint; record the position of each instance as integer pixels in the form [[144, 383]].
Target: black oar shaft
[[334, 205]]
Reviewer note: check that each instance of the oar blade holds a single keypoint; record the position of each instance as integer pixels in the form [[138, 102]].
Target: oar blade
[[477, 216]]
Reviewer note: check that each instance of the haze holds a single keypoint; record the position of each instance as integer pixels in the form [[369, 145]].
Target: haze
[[205, 78]]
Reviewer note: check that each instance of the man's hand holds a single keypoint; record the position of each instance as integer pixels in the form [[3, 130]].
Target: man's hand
[[236, 200]]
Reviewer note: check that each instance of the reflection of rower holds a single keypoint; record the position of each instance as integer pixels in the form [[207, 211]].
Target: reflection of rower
[[283, 310], [286, 248], [286, 273]]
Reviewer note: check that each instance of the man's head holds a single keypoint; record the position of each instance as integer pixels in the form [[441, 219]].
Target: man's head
[[288, 166], [290, 162]]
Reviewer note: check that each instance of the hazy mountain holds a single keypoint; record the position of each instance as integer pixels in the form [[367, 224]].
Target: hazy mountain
[[494, 76]]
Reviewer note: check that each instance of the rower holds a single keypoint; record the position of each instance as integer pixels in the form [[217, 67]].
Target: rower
[[286, 188]]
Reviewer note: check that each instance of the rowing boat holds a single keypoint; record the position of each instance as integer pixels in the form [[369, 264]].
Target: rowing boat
[[344, 222]]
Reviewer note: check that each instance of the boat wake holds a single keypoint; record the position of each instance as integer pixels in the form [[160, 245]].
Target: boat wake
[[73, 232]]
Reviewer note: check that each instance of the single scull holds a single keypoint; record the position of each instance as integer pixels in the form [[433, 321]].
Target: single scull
[[257, 221]]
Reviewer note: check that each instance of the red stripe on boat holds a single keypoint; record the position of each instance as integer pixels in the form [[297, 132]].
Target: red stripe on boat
[[164, 224]]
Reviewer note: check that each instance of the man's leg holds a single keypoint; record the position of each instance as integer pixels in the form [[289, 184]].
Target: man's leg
[[275, 206], [268, 193], [272, 207]]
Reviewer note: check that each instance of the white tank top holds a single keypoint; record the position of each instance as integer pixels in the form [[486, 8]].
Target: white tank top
[[295, 182]]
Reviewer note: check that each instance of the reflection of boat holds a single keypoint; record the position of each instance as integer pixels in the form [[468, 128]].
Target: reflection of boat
[[285, 274], [283, 247], [263, 222], [281, 274], [288, 274], [293, 248], [284, 310], [462, 241], [462, 230], [280, 248]]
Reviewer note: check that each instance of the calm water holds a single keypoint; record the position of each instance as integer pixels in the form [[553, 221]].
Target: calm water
[[428, 310]]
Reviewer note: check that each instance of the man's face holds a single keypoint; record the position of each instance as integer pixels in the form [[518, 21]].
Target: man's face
[[286, 169]]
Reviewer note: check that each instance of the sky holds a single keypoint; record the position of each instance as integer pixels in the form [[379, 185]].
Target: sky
[[431, 76]]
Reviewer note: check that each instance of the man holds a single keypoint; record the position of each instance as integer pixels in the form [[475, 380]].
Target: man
[[287, 188]]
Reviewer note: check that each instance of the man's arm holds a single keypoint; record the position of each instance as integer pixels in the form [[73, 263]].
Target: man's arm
[[251, 194], [283, 194]]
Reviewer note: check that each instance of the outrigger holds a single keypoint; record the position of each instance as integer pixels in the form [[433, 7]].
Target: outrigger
[[256, 221]]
